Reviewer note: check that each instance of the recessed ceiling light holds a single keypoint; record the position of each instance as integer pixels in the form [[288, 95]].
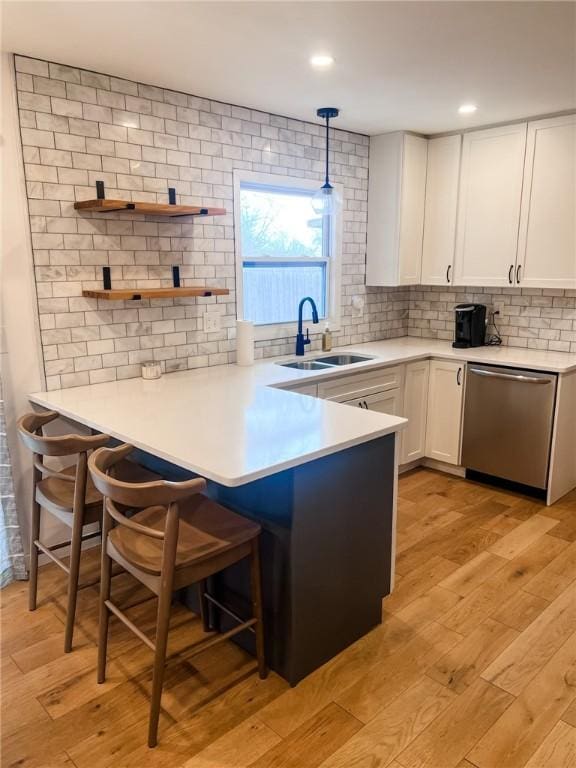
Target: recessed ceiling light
[[322, 61], [467, 109]]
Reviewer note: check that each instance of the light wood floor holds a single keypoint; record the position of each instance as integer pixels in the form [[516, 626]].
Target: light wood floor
[[473, 665]]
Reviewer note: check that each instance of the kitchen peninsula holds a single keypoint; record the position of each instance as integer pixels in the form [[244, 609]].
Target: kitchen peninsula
[[319, 477]]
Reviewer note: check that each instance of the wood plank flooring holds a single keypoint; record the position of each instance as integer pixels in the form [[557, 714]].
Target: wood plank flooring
[[474, 665]]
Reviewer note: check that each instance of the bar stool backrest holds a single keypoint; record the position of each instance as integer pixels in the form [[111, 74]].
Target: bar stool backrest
[[30, 430], [140, 495]]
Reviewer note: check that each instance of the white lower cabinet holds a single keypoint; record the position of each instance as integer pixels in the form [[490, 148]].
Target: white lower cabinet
[[305, 389], [429, 393], [444, 419], [357, 385], [383, 402], [415, 409]]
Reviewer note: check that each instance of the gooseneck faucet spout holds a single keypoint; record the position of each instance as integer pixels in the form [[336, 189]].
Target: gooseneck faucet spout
[[300, 340]]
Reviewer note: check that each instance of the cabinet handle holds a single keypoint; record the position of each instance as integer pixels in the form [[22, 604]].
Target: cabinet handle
[[366, 405], [448, 270], [510, 272], [459, 377], [360, 404], [518, 268]]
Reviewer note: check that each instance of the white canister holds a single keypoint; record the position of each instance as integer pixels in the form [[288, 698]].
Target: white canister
[[151, 370], [244, 342]]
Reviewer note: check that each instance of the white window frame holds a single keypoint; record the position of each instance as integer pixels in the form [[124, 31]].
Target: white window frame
[[334, 267]]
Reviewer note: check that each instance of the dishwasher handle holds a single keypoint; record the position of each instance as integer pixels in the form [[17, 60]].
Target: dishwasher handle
[[510, 376]]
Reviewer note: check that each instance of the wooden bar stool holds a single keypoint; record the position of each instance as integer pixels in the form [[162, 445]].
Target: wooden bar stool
[[178, 537], [69, 495], [66, 494]]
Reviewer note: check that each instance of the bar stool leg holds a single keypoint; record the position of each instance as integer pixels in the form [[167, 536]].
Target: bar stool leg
[[105, 586], [256, 589], [162, 627], [204, 606], [34, 536], [75, 549]]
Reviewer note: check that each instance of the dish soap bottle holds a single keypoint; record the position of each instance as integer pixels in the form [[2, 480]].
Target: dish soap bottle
[[327, 339]]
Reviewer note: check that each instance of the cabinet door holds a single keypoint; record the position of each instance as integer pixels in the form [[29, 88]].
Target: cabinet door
[[489, 206], [412, 210], [445, 396], [547, 247], [384, 182], [396, 187], [415, 410], [384, 402], [442, 175]]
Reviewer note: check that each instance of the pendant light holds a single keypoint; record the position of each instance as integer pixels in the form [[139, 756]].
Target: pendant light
[[326, 199]]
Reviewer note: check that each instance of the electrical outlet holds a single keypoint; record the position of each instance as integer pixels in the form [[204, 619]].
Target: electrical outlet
[[211, 322]]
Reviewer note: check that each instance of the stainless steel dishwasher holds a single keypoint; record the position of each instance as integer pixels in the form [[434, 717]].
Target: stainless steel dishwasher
[[508, 417]]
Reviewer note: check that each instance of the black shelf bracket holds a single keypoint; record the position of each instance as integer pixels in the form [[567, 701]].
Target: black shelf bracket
[[100, 193], [176, 276], [106, 278], [201, 212], [171, 196]]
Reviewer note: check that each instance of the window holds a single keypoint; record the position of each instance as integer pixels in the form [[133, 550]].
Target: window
[[285, 251]]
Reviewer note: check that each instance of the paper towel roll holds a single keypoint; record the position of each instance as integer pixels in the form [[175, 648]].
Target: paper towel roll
[[244, 342]]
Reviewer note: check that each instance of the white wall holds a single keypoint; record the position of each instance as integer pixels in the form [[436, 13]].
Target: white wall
[[20, 360]]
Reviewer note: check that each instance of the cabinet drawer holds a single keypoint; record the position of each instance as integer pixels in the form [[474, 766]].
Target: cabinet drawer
[[389, 402], [304, 389], [358, 385]]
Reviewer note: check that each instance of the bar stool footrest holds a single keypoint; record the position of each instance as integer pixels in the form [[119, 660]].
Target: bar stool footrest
[[209, 642], [130, 624], [227, 611]]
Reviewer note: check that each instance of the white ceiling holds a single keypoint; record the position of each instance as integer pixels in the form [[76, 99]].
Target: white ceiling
[[398, 65]]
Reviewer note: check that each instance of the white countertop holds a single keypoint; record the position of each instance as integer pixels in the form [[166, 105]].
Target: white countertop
[[233, 425], [408, 348], [222, 422]]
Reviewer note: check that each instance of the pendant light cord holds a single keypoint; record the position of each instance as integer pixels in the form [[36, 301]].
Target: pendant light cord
[[326, 180]]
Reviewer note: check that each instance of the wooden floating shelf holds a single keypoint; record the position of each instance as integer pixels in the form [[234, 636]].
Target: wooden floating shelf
[[134, 294], [150, 209]]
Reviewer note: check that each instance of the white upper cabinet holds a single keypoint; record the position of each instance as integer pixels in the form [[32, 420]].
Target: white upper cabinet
[[396, 187], [489, 206], [443, 171], [547, 246]]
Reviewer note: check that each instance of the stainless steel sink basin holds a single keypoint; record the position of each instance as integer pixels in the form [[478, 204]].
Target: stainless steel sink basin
[[328, 361], [306, 365], [342, 359]]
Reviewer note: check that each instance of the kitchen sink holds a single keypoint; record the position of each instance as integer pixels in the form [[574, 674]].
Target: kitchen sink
[[305, 365], [343, 359], [320, 363]]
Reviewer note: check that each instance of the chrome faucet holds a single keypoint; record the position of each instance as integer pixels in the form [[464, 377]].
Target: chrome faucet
[[300, 340]]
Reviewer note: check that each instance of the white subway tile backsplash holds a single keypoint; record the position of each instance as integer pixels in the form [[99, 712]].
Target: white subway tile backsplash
[[66, 107], [528, 317], [83, 127]]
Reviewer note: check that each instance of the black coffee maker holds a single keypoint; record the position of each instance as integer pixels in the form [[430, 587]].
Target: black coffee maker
[[470, 325]]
